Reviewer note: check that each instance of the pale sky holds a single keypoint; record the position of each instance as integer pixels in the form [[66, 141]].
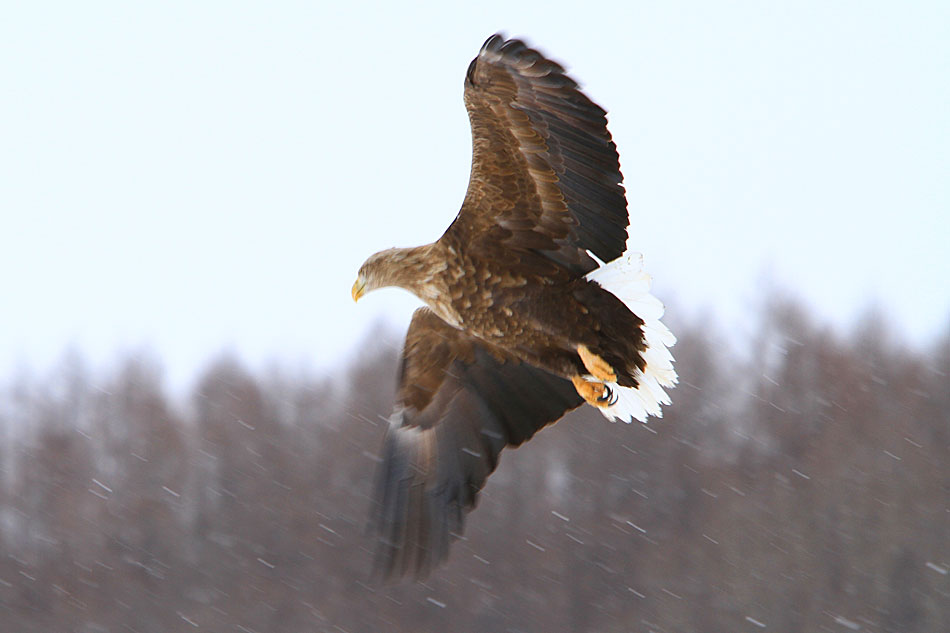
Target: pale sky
[[193, 177]]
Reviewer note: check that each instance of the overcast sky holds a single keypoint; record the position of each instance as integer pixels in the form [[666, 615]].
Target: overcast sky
[[193, 177]]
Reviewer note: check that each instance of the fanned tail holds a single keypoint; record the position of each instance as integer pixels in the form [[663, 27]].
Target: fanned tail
[[625, 278]]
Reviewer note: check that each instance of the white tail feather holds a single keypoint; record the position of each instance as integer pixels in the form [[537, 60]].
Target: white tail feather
[[625, 279]]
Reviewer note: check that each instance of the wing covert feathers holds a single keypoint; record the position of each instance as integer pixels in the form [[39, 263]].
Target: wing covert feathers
[[545, 175], [436, 458]]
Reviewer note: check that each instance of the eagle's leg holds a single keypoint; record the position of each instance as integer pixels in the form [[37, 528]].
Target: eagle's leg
[[597, 366], [597, 394]]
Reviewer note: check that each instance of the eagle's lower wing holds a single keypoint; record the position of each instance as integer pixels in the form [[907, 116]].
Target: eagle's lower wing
[[545, 185], [459, 404]]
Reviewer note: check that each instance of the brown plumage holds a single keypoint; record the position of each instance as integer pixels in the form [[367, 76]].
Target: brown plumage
[[517, 329]]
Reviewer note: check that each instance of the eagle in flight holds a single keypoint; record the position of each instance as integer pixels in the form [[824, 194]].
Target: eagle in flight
[[532, 305]]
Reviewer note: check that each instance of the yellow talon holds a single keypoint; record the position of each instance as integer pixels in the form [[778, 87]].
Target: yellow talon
[[596, 394], [597, 366]]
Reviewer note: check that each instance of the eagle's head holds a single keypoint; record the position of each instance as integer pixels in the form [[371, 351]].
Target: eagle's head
[[372, 274], [392, 267], [409, 268]]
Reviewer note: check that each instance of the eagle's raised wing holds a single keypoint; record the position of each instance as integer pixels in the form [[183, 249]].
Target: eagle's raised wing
[[545, 181], [459, 404]]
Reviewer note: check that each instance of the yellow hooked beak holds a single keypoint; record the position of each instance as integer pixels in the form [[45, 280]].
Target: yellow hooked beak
[[359, 286]]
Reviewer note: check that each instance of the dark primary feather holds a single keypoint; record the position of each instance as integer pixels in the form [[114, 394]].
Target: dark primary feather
[[544, 167], [459, 404]]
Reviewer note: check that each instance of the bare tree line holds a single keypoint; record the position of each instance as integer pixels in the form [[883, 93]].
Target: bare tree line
[[804, 488]]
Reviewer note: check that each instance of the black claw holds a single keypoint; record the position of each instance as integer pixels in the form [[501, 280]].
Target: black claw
[[608, 396]]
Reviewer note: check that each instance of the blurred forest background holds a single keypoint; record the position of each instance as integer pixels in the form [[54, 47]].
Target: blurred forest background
[[801, 483]]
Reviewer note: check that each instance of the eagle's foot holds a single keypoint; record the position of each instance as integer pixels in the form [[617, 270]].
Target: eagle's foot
[[596, 394], [597, 366]]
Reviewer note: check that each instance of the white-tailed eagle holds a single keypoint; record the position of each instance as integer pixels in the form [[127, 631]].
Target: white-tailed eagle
[[523, 320]]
